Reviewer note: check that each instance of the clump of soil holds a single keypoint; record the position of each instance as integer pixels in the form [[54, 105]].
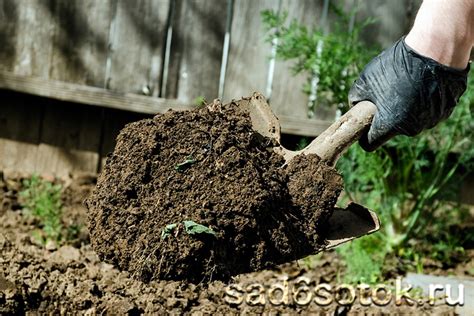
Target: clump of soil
[[210, 168]]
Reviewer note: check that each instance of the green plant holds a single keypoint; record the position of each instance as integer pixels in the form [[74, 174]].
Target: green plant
[[337, 64], [302, 143], [72, 231], [42, 199], [193, 228], [361, 263], [199, 101], [190, 227], [168, 230]]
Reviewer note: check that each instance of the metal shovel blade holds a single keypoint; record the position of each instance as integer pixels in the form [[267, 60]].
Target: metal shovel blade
[[347, 224]]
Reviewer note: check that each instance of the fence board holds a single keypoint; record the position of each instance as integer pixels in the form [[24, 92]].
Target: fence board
[[18, 145], [33, 44], [79, 54], [32, 48], [288, 97], [195, 60], [66, 134], [137, 44], [87, 95], [248, 56], [8, 33], [80, 42], [70, 139]]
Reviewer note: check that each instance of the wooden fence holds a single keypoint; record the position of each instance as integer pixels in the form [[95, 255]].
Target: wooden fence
[[73, 72]]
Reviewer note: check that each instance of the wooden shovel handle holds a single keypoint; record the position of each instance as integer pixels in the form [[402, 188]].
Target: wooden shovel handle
[[335, 140]]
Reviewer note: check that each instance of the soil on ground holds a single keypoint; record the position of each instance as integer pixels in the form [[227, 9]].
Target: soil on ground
[[71, 279], [200, 195]]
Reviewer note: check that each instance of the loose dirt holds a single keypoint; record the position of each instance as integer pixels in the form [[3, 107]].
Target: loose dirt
[[206, 167], [72, 280]]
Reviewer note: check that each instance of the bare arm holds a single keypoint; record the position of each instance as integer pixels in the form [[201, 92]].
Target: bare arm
[[444, 31]]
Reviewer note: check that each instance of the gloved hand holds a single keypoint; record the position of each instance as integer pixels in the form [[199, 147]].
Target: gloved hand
[[411, 92]]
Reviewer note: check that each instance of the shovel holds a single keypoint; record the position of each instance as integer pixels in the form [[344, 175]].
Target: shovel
[[345, 224], [298, 220]]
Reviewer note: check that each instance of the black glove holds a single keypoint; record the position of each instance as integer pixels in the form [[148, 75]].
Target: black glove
[[411, 92]]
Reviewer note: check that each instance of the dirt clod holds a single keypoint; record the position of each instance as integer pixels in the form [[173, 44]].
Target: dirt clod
[[210, 168]]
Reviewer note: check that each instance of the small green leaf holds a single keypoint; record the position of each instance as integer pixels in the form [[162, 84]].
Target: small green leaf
[[185, 164], [193, 228], [200, 101], [168, 230]]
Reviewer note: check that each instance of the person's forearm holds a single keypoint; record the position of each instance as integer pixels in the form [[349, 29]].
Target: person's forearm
[[444, 31]]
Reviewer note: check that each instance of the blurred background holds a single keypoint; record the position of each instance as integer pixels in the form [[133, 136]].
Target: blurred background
[[73, 73]]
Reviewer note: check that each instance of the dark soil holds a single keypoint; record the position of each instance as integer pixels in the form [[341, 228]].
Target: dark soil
[[71, 279], [208, 166]]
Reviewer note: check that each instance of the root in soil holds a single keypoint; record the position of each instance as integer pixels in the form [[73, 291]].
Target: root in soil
[[199, 195]]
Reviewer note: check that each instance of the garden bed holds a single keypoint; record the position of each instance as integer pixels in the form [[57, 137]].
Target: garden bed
[[71, 278]]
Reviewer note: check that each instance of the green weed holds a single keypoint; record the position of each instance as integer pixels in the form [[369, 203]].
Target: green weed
[[302, 143], [363, 264], [199, 101], [340, 61], [168, 230], [190, 227], [42, 199], [193, 228]]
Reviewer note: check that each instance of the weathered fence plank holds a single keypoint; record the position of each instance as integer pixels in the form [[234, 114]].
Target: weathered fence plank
[[59, 159], [195, 60], [33, 45], [394, 19], [288, 97], [248, 56], [87, 95], [19, 132], [8, 34], [80, 41], [137, 38], [69, 139], [79, 54]]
